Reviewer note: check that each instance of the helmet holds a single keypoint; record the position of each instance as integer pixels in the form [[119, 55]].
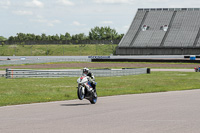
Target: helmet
[[85, 70]]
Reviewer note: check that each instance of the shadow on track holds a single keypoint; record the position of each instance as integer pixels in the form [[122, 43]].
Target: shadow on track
[[79, 104]]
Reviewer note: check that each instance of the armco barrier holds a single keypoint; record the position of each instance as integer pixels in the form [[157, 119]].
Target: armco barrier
[[20, 73]]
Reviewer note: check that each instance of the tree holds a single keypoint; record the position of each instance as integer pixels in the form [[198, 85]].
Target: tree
[[62, 37], [102, 33], [44, 37], [49, 38], [119, 37], [79, 37], [55, 37], [68, 36], [3, 38], [94, 34], [21, 37], [11, 39], [30, 37], [82, 36], [38, 38]]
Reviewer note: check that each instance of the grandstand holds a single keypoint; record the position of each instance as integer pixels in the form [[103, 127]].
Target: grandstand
[[162, 31]]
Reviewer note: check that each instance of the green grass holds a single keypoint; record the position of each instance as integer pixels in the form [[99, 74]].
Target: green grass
[[33, 90], [57, 50]]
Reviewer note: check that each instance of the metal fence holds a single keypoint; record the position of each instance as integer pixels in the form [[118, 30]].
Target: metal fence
[[20, 73], [61, 42]]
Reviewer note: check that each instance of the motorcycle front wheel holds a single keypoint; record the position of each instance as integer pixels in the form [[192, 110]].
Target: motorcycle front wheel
[[80, 93]]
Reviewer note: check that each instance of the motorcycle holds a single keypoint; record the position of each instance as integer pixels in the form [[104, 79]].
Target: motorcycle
[[197, 69], [85, 89]]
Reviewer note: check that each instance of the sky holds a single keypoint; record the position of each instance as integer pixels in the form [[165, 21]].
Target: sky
[[75, 16]]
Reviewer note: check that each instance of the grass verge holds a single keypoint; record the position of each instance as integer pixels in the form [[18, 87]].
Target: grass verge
[[33, 90], [57, 50]]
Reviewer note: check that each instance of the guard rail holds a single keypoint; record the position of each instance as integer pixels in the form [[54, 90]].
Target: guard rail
[[25, 73]]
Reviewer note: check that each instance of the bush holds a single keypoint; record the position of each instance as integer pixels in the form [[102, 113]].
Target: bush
[[49, 52], [2, 43]]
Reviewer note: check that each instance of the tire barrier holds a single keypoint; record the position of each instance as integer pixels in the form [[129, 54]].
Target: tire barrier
[[25, 73]]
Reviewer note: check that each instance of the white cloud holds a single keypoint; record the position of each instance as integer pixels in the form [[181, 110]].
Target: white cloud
[[35, 3], [23, 12], [53, 22], [122, 29], [107, 22], [44, 31], [50, 24], [98, 10], [65, 2], [56, 21], [41, 19], [157, 1], [114, 1], [184, 4], [76, 23], [125, 28], [5, 3]]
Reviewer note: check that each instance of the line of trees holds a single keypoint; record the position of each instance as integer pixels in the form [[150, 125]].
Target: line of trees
[[96, 33], [2, 38]]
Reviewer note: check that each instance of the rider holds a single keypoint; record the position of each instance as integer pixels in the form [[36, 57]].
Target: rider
[[91, 77]]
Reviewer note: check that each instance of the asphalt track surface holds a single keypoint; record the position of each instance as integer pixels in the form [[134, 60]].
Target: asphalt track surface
[[167, 112]]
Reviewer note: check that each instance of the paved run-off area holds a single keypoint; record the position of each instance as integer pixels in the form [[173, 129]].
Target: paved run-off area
[[168, 112]]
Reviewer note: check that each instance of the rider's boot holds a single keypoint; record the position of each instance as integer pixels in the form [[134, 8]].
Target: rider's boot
[[94, 87], [95, 93]]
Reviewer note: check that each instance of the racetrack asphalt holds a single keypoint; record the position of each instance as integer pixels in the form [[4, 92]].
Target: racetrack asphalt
[[166, 112]]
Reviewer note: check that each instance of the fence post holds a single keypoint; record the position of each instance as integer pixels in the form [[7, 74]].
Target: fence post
[[148, 70], [6, 72]]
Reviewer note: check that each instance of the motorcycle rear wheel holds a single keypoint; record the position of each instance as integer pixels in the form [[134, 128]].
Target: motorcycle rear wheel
[[93, 99]]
